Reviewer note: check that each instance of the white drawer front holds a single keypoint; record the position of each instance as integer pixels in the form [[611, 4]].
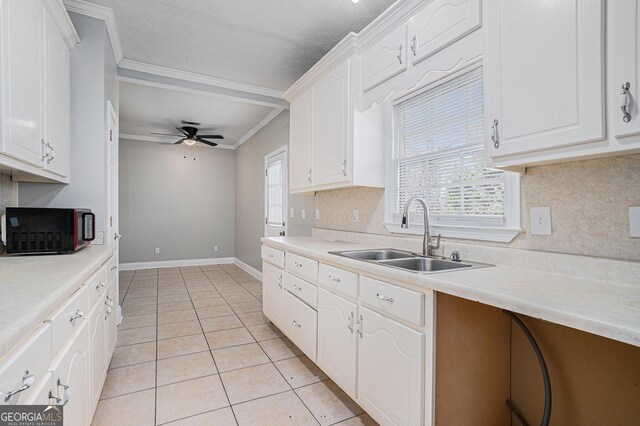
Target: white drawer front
[[302, 266], [337, 279], [69, 318], [273, 256], [301, 289], [300, 324], [111, 268], [32, 356], [96, 286], [393, 300]]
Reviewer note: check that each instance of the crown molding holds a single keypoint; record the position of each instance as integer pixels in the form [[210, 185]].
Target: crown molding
[[355, 43], [255, 129], [161, 139], [198, 78], [99, 12], [63, 22]]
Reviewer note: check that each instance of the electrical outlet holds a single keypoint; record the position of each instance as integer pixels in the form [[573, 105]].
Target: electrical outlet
[[157, 250], [317, 214], [356, 216], [292, 213], [303, 214], [634, 222], [540, 220], [215, 249]]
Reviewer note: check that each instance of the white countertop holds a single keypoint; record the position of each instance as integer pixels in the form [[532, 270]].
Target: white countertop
[[607, 309], [32, 287]]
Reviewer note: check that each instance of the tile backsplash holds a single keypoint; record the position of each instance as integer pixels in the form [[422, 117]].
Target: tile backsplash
[[589, 203]]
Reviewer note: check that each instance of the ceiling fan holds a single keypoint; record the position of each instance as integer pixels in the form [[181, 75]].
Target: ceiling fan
[[190, 135]]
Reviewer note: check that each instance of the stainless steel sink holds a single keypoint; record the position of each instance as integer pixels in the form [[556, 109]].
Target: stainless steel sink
[[378, 254], [408, 261]]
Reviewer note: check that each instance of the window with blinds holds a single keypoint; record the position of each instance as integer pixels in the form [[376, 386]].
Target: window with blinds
[[438, 155], [274, 194]]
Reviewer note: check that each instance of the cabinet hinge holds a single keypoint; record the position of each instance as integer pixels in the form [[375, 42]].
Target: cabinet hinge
[[110, 135], [266, 220]]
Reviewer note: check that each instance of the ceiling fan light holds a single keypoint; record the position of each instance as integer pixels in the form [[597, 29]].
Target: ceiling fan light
[[190, 141]]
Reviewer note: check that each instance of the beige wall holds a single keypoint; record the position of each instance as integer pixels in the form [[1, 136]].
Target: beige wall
[[8, 193], [589, 203], [250, 192], [182, 206]]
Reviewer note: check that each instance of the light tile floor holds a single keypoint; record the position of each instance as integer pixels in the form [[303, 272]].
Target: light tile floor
[[195, 349]]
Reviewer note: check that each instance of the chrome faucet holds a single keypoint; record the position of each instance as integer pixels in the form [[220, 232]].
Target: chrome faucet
[[428, 247]]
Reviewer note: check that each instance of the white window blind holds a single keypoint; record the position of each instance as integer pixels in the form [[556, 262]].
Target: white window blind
[[274, 196], [439, 155]]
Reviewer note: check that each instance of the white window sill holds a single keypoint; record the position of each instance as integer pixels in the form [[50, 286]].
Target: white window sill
[[481, 233]]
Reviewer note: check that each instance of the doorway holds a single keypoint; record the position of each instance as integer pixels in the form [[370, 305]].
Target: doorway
[[276, 193]]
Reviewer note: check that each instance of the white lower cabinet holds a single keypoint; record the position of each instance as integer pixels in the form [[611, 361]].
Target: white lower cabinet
[[111, 319], [337, 340], [272, 293], [300, 323], [71, 378], [390, 369], [98, 343]]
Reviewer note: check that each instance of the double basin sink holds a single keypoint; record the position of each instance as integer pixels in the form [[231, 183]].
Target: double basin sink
[[408, 261]]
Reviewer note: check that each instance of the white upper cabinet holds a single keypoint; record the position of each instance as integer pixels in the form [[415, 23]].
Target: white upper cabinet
[[35, 40], [441, 23], [544, 77], [624, 59], [57, 95], [332, 117], [22, 84], [385, 59], [301, 137]]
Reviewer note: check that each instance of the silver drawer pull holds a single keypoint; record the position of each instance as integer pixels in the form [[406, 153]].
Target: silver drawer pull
[[299, 265], [100, 285], [334, 279], [297, 287], [79, 314], [385, 298], [27, 381], [66, 392], [280, 281], [296, 324], [114, 267], [271, 256]]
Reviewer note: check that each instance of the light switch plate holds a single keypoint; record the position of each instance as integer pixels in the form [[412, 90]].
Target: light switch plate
[[317, 214], [303, 214], [356, 216], [292, 213], [634, 221], [540, 220]]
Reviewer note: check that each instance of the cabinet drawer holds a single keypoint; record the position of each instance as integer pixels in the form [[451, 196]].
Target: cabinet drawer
[[111, 268], [302, 266], [337, 279], [393, 300], [32, 356], [96, 286], [300, 324], [68, 318], [273, 256], [303, 290]]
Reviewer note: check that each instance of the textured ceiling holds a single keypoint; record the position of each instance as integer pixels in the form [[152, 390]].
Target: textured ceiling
[[146, 109], [268, 43]]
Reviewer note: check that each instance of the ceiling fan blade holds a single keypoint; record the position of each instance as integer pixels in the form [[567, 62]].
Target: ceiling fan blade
[[165, 134], [211, 136], [181, 130], [199, 139], [179, 142]]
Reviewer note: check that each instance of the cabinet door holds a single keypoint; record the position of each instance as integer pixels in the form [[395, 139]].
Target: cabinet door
[[272, 293], [385, 59], [624, 60], [337, 340], [97, 350], [22, 70], [300, 324], [390, 370], [543, 75], [72, 369], [332, 126], [441, 23], [301, 142], [111, 319], [57, 94]]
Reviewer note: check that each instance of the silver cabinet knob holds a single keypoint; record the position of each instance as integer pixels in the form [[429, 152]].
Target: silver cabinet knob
[[27, 381]]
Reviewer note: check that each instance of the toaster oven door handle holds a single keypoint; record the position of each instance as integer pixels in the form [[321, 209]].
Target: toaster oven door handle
[[92, 235]]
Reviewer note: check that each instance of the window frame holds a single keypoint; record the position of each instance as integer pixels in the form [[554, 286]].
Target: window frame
[[462, 228]]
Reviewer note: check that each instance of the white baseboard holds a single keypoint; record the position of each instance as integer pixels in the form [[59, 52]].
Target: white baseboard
[[177, 263], [250, 269]]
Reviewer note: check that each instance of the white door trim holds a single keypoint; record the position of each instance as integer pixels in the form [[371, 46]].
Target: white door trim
[[283, 150]]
